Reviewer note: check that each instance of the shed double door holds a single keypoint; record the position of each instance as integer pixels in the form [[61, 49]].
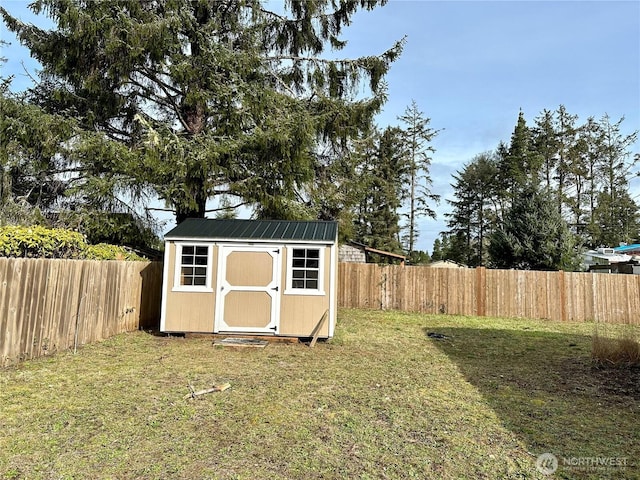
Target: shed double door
[[248, 289]]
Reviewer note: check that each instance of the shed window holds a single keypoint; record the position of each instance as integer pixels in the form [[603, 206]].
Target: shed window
[[193, 267], [305, 271]]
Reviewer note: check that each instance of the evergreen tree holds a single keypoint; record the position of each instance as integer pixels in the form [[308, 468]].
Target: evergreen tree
[[545, 145], [616, 164], [475, 207], [519, 164], [191, 100], [455, 247], [416, 138], [30, 162], [383, 175], [533, 236], [586, 169], [450, 247], [615, 217], [590, 139], [336, 189], [36, 186], [577, 181], [437, 253], [566, 132], [418, 257]]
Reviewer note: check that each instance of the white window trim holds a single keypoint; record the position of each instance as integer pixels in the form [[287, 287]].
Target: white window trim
[[178, 267], [289, 290]]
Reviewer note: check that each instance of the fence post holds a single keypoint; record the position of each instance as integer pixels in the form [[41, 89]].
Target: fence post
[[481, 293]]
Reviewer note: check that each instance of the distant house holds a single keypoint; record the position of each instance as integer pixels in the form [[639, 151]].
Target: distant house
[[609, 260]]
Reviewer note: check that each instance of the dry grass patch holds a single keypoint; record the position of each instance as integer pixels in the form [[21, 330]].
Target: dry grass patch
[[381, 400], [616, 346]]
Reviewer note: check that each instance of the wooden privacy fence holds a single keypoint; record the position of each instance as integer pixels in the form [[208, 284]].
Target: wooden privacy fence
[[495, 293], [52, 305]]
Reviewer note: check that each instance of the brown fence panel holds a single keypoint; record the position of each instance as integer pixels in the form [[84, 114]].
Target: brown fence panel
[[361, 285], [498, 293], [52, 305], [519, 293]]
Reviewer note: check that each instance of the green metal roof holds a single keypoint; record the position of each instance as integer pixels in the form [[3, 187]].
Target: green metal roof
[[209, 229]]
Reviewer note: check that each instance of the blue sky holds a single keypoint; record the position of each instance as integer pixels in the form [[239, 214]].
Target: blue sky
[[473, 65]]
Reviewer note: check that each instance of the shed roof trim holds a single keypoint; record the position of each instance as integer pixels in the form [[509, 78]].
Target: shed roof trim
[[225, 229]]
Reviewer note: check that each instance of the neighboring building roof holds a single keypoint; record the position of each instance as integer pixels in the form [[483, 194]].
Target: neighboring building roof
[[384, 253], [628, 248], [225, 229], [604, 256], [446, 264]]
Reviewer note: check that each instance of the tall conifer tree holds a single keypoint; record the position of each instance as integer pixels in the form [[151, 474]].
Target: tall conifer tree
[[475, 207], [384, 175], [417, 151], [192, 99]]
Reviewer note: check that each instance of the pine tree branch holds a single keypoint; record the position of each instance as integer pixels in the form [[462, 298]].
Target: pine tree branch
[[115, 133], [282, 83], [149, 94], [275, 15], [232, 207], [168, 100], [28, 74], [317, 60], [154, 75], [154, 209]]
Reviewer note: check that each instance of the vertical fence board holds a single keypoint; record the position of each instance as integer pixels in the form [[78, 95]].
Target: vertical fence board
[[7, 321]]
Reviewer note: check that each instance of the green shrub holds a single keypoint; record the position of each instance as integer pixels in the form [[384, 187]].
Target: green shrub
[[40, 242], [105, 251]]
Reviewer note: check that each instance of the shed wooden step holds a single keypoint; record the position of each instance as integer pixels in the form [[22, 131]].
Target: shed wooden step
[[241, 342]]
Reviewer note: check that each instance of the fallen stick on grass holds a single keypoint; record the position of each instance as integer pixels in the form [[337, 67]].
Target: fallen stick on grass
[[215, 388]]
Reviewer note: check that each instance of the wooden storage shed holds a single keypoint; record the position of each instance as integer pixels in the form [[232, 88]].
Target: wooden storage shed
[[267, 277]]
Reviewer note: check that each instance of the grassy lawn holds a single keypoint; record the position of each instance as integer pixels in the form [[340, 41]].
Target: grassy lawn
[[381, 400]]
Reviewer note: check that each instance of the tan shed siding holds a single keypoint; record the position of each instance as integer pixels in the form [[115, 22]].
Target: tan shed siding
[[189, 311], [299, 314]]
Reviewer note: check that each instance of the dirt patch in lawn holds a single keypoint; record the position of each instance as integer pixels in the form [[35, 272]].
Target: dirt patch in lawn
[[617, 381]]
